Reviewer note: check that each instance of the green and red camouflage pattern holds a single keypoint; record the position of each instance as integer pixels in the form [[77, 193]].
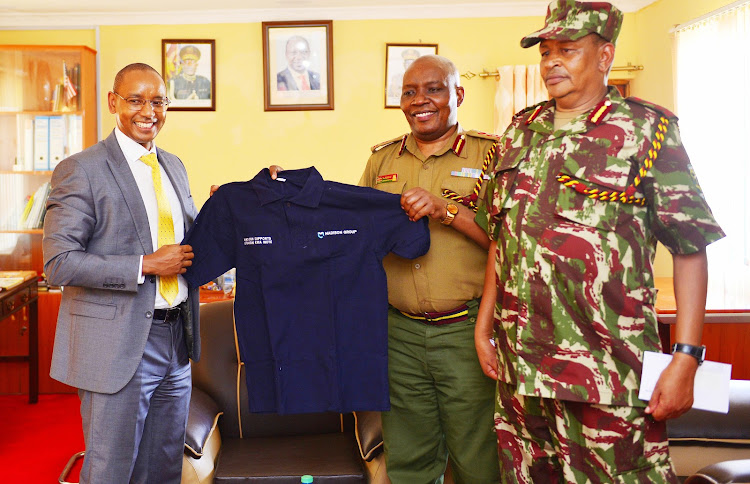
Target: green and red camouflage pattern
[[571, 20], [553, 441], [575, 304]]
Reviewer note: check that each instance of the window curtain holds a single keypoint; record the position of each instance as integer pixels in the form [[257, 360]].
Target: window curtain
[[712, 85], [518, 87]]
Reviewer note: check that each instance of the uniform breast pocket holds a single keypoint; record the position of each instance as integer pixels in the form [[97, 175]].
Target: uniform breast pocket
[[460, 186], [590, 211], [395, 187]]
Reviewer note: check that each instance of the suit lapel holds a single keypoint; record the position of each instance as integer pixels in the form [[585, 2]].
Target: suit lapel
[[125, 180]]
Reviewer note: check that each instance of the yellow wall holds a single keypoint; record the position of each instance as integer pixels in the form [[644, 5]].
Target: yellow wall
[[239, 138]]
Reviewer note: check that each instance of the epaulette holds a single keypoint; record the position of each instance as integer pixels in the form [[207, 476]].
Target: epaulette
[[534, 110], [382, 145], [659, 109], [479, 134]]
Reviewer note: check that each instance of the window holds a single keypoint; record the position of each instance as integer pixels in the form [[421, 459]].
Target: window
[[712, 72]]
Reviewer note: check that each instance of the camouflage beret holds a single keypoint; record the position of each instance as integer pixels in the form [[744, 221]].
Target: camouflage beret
[[571, 20], [190, 52]]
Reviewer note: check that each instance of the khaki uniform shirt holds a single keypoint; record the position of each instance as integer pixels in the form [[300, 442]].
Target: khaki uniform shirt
[[452, 272]]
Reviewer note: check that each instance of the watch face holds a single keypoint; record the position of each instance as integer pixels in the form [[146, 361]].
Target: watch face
[[452, 208]]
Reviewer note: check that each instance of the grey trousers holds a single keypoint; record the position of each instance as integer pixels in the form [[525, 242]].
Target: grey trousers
[[137, 435]]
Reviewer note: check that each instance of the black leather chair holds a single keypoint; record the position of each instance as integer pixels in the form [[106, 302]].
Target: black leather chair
[[225, 443], [700, 441]]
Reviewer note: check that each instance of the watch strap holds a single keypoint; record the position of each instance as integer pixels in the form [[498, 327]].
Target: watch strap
[[697, 352]]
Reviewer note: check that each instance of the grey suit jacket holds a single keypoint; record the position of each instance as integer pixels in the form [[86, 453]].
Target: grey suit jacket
[[95, 229]]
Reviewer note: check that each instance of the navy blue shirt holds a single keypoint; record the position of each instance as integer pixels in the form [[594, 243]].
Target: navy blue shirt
[[312, 300]]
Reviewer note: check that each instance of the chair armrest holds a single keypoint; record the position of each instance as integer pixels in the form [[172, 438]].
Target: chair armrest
[[202, 419], [369, 432], [722, 473]]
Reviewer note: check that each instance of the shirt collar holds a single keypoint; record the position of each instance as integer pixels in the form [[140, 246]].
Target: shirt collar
[[456, 144], [302, 187], [543, 120], [130, 148]]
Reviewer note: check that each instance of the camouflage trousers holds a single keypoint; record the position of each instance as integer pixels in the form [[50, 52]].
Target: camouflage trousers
[[542, 440]]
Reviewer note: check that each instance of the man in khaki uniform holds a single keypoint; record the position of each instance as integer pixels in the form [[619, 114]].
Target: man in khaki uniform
[[441, 403]]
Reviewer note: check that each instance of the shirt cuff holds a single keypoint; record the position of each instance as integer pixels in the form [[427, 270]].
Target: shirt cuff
[[141, 277]]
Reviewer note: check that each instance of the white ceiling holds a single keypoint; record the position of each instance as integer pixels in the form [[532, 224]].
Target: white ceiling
[[61, 13]]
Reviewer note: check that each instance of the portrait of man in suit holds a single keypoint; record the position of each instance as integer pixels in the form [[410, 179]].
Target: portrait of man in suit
[[128, 322], [297, 76]]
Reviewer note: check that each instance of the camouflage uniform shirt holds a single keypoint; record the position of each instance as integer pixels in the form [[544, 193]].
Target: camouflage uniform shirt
[[575, 304]]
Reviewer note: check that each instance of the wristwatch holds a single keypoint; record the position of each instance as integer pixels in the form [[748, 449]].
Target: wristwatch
[[450, 214], [697, 352]]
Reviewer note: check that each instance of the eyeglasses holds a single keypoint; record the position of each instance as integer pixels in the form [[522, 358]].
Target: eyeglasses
[[136, 103]]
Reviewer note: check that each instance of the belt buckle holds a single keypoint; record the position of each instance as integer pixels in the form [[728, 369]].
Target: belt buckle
[[427, 318], [172, 315]]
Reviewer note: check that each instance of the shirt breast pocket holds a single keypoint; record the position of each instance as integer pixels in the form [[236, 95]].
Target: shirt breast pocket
[[396, 187], [504, 182]]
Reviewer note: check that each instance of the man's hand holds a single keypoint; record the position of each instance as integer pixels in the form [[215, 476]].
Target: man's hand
[[213, 190], [275, 169], [168, 260], [673, 394], [418, 202], [486, 352]]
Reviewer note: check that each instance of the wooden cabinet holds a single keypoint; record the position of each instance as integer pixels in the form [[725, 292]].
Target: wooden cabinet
[[47, 112]]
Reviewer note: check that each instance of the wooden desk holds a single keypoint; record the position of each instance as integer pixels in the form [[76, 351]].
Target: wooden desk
[[13, 301], [726, 333]]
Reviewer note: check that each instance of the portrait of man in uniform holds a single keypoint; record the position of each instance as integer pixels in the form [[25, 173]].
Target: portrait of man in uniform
[[398, 58], [189, 71]]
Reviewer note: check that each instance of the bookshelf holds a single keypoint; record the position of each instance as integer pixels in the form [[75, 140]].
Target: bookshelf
[[47, 113]]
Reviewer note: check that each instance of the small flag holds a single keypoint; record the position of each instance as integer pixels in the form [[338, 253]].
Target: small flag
[[70, 90]]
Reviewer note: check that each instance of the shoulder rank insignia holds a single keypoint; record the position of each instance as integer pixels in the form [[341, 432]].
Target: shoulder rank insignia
[[601, 110], [382, 145], [483, 135], [659, 109], [534, 114], [459, 144]]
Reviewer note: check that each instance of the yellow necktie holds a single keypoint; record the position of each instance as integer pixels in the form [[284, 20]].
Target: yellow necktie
[[167, 284]]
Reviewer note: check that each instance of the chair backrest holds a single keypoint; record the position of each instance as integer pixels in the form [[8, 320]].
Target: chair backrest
[[700, 424], [222, 376]]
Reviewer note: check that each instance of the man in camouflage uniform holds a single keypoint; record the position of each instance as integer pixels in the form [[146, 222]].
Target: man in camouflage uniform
[[584, 186], [441, 403]]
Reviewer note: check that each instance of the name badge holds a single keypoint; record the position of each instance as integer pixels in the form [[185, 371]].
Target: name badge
[[386, 178]]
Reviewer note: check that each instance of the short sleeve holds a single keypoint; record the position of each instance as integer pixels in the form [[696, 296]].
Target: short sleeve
[[399, 234], [680, 216], [211, 237]]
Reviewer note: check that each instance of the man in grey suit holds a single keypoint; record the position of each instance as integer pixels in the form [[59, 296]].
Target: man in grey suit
[[128, 323]]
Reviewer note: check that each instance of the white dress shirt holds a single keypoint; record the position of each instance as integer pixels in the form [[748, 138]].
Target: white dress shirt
[[144, 179]]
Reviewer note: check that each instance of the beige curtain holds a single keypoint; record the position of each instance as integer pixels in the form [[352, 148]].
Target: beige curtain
[[518, 87]]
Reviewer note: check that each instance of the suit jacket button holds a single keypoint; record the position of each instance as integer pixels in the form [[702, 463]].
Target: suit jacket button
[[152, 279], [149, 314]]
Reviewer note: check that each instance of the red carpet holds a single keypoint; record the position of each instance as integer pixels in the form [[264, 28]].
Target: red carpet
[[37, 440]]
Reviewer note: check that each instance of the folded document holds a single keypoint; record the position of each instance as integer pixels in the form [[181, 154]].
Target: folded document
[[711, 389]]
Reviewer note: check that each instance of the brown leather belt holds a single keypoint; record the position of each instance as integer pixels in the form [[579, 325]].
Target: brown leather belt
[[439, 318]]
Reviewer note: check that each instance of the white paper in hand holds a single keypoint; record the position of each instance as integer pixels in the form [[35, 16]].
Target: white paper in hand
[[711, 389]]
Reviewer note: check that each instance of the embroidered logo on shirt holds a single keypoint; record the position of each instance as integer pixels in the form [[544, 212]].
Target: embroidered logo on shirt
[[392, 177], [258, 240], [336, 232]]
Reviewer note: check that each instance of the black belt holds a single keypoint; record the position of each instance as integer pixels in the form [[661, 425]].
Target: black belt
[[167, 315]]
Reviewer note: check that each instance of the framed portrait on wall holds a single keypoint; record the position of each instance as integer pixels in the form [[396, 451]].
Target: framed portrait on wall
[[298, 65], [189, 70], [397, 58]]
